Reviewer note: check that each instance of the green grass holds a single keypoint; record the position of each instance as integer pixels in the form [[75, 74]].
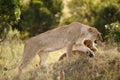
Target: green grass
[[105, 65]]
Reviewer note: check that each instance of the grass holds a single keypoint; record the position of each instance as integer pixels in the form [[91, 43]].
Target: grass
[[105, 65]]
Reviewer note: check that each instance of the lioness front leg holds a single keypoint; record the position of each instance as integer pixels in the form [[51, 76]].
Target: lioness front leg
[[69, 50], [43, 56]]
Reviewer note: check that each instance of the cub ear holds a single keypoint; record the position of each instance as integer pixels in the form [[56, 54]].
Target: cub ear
[[90, 29]]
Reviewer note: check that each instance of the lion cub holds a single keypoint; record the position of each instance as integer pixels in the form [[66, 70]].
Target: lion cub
[[87, 43]]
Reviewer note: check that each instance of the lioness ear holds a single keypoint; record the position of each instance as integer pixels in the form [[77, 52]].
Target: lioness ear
[[90, 29]]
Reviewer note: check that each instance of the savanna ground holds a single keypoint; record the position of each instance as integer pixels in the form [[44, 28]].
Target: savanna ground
[[22, 19], [105, 65]]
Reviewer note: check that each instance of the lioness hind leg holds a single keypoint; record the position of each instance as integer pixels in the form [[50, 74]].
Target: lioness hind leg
[[43, 56]]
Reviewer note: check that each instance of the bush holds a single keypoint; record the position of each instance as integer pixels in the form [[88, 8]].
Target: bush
[[81, 11], [40, 16], [10, 12], [107, 14], [94, 13], [113, 32]]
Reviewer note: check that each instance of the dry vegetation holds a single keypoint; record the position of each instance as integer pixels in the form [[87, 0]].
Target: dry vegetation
[[105, 65]]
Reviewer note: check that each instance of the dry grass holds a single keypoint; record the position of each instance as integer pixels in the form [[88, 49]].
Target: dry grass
[[105, 65]]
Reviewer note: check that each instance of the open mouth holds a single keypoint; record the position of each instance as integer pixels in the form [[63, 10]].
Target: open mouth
[[95, 41]]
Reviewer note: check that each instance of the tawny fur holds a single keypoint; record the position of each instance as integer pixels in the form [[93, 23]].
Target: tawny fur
[[65, 36], [87, 43], [74, 52]]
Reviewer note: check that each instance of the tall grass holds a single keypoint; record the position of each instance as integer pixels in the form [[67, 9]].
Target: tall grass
[[105, 65]]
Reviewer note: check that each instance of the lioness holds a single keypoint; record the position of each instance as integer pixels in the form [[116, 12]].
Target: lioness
[[65, 36], [82, 50]]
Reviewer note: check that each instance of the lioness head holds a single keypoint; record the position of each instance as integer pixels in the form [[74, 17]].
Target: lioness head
[[96, 35]]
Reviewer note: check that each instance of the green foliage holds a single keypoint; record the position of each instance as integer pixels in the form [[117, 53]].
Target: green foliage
[[81, 11], [30, 17], [107, 14], [40, 15], [9, 14], [95, 13], [113, 32]]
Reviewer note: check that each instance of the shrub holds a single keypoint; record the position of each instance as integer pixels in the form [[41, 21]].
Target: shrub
[[107, 14], [113, 32]]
